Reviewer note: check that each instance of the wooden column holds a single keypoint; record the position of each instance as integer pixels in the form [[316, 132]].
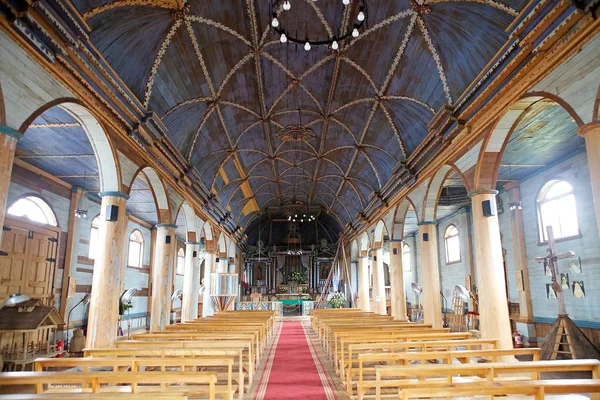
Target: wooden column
[[493, 305], [108, 269], [379, 282], [520, 253], [162, 278], [432, 301], [71, 250], [8, 144], [191, 282], [207, 304], [591, 133], [397, 281], [363, 284]]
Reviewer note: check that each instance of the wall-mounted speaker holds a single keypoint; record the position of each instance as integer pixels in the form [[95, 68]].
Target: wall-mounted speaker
[[217, 259], [374, 258], [488, 208], [426, 237], [112, 213], [195, 254], [168, 239], [395, 252]]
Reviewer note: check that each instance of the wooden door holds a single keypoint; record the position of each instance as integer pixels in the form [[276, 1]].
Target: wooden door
[[28, 260]]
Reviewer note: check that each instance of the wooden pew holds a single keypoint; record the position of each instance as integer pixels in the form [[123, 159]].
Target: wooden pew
[[108, 382], [344, 340], [225, 326], [348, 370], [225, 389], [176, 352], [248, 360], [536, 388], [191, 335], [445, 357], [441, 376]]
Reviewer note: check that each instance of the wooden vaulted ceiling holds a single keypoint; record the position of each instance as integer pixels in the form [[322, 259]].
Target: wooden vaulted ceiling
[[224, 86]]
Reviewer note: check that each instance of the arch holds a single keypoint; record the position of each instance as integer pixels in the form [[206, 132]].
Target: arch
[[231, 248], [159, 192], [354, 250], [108, 165], [490, 156], [363, 244], [596, 111], [380, 230], [207, 229], [34, 208], [222, 245], [189, 218], [436, 184], [400, 214]]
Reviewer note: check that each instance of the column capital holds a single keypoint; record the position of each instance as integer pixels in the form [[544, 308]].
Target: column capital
[[395, 241], [193, 243], [8, 131], [478, 192], [362, 257], [114, 194], [583, 130]]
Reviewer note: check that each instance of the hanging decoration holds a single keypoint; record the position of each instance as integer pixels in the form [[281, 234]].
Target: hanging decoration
[[81, 212], [286, 6]]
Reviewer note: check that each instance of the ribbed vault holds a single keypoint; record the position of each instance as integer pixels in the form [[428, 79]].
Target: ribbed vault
[[224, 86]]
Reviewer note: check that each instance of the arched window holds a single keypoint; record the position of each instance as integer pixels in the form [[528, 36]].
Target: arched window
[[406, 258], [452, 241], [34, 209], [93, 247], [136, 249], [180, 262], [557, 208]]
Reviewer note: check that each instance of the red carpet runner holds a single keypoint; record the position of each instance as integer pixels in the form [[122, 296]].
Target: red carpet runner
[[293, 370]]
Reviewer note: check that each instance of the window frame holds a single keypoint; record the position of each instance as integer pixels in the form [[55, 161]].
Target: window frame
[[139, 241], [446, 238], [180, 256], [406, 246], [42, 204], [541, 199], [94, 230]]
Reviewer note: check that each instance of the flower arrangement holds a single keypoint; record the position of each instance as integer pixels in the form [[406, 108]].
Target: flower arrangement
[[337, 300], [297, 277]]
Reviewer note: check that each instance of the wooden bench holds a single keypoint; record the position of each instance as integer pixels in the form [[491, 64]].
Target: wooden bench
[[445, 357], [177, 352], [536, 388], [248, 362], [440, 376], [343, 341], [187, 383], [223, 386], [351, 356]]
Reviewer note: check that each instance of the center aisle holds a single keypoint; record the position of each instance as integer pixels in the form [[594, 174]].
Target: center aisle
[[293, 369]]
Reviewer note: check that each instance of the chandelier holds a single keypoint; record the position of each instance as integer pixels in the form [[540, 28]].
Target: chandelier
[[515, 205], [301, 218], [81, 212], [333, 42]]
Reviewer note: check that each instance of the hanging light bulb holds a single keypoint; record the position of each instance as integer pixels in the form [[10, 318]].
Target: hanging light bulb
[[355, 32], [287, 5], [274, 22], [361, 15], [335, 45], [301, 220], [346, 2], [283, 38], [307, 46]]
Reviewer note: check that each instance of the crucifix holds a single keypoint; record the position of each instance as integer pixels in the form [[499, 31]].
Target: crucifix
[[551, 261], [564, 338]]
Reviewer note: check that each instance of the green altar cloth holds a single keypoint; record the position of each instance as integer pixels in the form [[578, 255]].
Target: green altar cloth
[[292, 302]]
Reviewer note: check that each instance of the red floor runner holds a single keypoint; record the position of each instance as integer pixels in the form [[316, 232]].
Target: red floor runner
[[293, 373]]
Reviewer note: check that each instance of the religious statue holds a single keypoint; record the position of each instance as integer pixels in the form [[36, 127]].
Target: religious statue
[[578, 290], [258, 272], [324, 270]]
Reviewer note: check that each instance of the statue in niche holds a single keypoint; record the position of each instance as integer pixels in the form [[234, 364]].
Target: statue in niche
[[258, 272], [324, 270]]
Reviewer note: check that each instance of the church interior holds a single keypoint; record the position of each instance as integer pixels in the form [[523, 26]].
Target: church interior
[[299, 199]]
